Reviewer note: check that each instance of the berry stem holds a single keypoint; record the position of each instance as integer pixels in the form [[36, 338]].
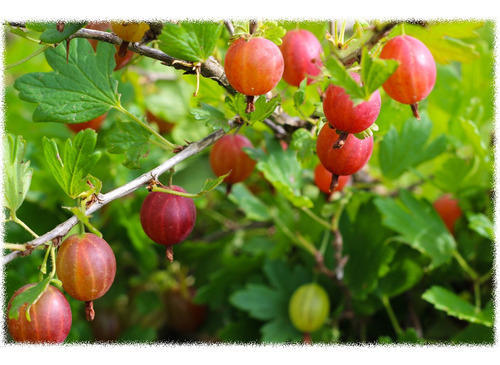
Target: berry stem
[[414, 109], [334, 182], [250, 99], [122, 51], [341, 140], [89, 311], [306, 338], [170, 253]]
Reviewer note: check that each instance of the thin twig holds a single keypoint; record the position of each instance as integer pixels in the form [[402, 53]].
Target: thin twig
[[103, 199]]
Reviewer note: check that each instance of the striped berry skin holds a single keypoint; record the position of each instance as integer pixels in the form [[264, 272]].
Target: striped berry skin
[[343, 115], [415, 76], [166, 218], [301, 52], [346, 160], [86, 266], [227, 155], [253, 67], [323, 178], [309, 307], [50, 318]]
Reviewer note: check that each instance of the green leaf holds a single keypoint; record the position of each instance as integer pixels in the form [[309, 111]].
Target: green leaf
[[17, 172], [280, 330], [253, 207], [375, 71], [211, 116], [304, 143], [85, 219], [263, 108], [131, 139], [398, 152], [364, 242], [482, 225], [80, 89], [456, 173], [282, 169], [444, 40], [300, 95], [29, 297], [340, 77], [71, 169], [52, 35], [190, 41], [272, 31], [404, 274], [419, 226], [260, 301], [447, 301]]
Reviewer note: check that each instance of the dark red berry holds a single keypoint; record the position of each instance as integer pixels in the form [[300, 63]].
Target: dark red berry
[[167, 218], [50, 318]]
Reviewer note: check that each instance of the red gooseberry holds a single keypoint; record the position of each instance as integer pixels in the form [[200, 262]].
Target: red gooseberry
[[86, 266], [342, 161], [227, 155], [344, 116], [415, 76], [50, 318], [253, 67], [168, 219], [301, 52], [449, 211], [323, 179]]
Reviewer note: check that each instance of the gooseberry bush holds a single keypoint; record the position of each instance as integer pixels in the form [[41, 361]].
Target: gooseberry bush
[[248, 181]]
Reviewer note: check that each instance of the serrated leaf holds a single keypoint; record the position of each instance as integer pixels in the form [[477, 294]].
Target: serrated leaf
[[419, 226], [80, 89], [282, 169], [71, 169], [300, 95], [52, 35], [263, 108], [457, 173], [131, 139], [304, 143], [272, 31], [260, 301], [482, 225], [375, 71], [404, 274], [444, 40], [190, 41], [447, 301], [29, 297], [280, 330], [398, 152], [211, 116], [17, 172], [251, 205], [340, 77], [364, 242]]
